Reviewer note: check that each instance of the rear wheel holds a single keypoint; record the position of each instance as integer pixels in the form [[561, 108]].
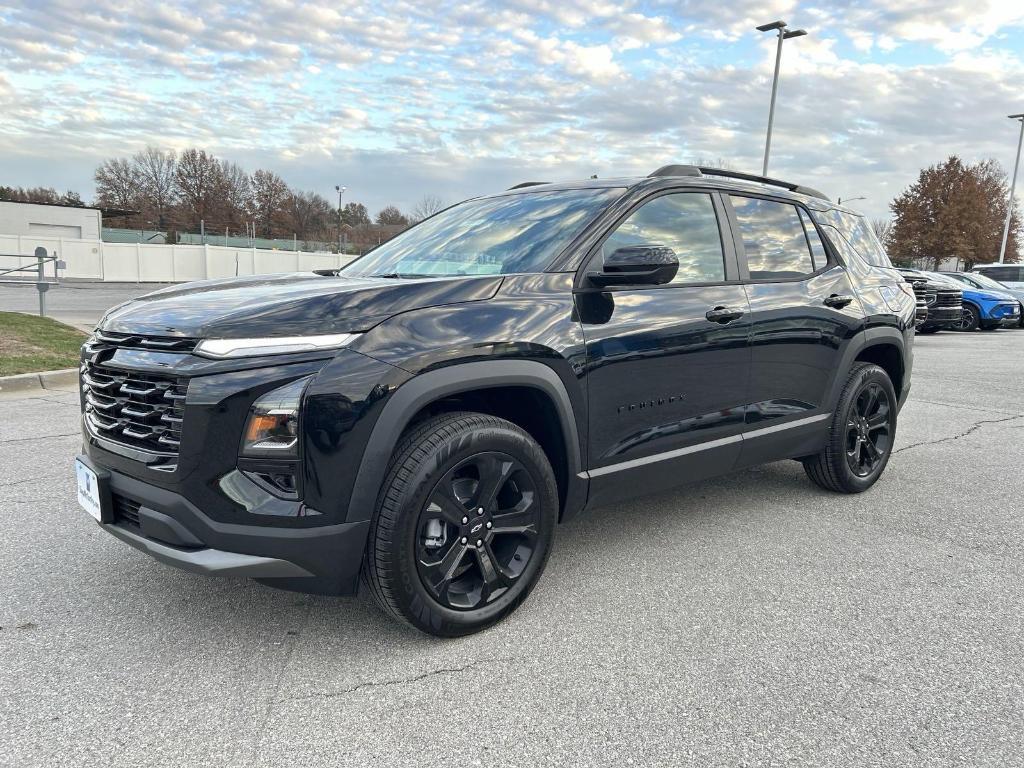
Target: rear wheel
[[464, 524], [862, 433]]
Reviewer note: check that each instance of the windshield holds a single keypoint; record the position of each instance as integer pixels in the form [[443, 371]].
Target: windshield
[[488, 236]]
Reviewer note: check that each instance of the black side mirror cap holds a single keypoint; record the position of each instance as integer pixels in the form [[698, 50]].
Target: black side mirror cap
[[637, 265]]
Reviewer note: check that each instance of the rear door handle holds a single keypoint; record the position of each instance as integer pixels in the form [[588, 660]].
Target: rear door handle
[[723, 315], [838, 301]]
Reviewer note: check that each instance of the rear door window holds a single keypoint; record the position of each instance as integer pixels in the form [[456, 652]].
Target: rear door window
[[774, 240], [817, 247]]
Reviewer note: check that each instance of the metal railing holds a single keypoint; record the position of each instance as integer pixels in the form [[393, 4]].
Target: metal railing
[[41, 282]]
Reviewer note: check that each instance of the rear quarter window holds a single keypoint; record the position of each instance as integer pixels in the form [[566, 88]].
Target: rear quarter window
[[857, 233]]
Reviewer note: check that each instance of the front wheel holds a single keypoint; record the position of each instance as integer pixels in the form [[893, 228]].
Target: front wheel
[[862, 433], [969, 320], [463, 526]]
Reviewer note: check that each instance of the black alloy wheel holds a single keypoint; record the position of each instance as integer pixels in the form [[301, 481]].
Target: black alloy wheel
[[861, 435], [464, 524], [868, 434], [477, 531], [969, 319]]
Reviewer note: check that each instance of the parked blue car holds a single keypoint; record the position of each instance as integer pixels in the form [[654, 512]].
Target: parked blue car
[[983, 307]]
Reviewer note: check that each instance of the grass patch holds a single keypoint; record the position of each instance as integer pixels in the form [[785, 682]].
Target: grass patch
[[29, 343]]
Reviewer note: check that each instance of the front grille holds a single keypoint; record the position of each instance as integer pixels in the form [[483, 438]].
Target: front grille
[[137, 341], [126, 511], [948, 299], [142, 410], [921, 290]]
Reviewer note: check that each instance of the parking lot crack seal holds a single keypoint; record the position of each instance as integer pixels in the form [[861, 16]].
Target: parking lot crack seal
[[399, 681], [969, 431], [40, 437]]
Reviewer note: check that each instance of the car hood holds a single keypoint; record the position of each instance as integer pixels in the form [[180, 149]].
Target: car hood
[[988, 295], [287, 305]]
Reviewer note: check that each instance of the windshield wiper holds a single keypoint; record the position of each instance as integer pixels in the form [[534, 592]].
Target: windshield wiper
[[401, 275]]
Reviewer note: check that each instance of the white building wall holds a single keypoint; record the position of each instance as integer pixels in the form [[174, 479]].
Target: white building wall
[[30, 219], [146, 262]]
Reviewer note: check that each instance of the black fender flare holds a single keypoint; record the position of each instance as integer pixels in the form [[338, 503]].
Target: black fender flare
[[869, 337], [425, 388]]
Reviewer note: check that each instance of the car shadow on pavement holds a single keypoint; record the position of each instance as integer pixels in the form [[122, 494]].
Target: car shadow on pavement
[[233, 607]]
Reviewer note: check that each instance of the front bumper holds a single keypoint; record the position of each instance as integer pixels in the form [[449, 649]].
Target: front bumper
[[943, 317], [1005, 314], [323, 560]]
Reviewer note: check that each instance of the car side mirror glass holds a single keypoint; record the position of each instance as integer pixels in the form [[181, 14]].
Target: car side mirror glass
[[637, 265]]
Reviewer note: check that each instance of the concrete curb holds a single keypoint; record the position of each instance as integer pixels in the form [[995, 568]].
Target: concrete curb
[[28, 382]]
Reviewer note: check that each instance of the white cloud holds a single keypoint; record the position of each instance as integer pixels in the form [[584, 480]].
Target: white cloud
[[468, 97]]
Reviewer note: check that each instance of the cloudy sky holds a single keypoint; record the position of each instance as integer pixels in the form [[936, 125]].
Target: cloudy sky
[[400, 99]]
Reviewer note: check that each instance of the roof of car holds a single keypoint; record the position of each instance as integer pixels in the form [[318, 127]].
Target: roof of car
[[691, 175], [709, 181]]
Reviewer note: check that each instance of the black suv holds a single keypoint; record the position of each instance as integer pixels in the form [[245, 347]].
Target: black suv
[[425, 417]]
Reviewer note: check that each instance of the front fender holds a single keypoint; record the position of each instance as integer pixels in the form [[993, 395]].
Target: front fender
[[428, 387]]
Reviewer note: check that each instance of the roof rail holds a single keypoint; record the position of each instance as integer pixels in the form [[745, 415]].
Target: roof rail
[[527, 184], [678, 170], [695, 170]]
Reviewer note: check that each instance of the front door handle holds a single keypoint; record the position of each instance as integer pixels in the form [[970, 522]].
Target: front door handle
[[838, 301], [723, 315]]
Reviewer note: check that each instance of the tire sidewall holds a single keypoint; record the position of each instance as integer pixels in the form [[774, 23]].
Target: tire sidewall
[[868, 375], [415, 601]]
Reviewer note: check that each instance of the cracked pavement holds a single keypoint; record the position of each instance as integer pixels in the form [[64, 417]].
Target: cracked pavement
[[749, 620]]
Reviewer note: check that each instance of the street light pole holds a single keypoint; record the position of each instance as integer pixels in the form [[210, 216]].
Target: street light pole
[[341, 191], [783, 34], [1013, 187]]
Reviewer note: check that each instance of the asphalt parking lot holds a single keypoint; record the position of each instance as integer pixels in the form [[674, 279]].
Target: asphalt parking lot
[[78, 303], [751, 620]]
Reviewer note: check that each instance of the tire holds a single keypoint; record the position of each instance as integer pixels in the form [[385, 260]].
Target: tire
[[970, 320], [832, 468], [424, 565]]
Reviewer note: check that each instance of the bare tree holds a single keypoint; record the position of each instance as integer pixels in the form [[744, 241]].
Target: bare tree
[[236, 195], [719, 163], [40, 195], [269, 195], [426, 207], [354, 214], [156, 172], [882, 229], [199, 185], [391, 215], [117, 184], [309, 215]]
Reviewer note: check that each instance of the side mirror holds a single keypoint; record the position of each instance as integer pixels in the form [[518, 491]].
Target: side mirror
[[637, 265]]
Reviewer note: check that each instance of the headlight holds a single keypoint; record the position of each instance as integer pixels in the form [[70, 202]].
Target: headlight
[[272, 429], [271, 345]]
